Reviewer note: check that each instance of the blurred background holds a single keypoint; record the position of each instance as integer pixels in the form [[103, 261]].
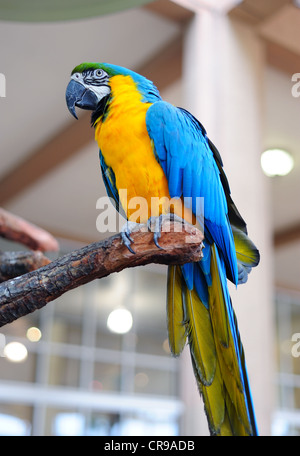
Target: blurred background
[[235, 64]]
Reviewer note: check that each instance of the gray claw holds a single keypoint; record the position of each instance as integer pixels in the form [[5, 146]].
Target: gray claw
[[125, 234], [157, 221], [156, 236], [127, 243]]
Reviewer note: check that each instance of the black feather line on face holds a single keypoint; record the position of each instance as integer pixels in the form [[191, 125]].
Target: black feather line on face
[[96, 82], [101, 109], [89, 78]]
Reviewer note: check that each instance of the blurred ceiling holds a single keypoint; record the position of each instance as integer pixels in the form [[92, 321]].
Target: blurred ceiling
[[59, 10], [49, 163], [49, 168]]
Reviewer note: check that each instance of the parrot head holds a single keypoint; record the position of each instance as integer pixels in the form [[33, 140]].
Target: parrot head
[[90, 85]]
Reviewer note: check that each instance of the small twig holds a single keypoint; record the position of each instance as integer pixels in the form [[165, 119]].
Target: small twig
[[24, 294], [13, 264], [19, 230]]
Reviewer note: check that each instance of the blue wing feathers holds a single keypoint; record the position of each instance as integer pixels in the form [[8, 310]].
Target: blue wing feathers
[[188, 274], [110, 184], [193, 168], [200, 284], [183, 151]]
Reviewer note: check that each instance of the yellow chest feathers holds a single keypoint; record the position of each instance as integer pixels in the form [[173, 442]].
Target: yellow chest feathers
[[125, 144]]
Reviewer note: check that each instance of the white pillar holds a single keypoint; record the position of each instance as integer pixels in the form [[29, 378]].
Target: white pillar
[[223, 87]]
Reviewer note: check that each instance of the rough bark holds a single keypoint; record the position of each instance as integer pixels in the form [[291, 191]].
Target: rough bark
[[19, 230], [24, 294], [13, 264]]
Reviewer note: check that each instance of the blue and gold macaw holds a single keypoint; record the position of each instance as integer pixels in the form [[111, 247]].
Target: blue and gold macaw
[[153, 149]]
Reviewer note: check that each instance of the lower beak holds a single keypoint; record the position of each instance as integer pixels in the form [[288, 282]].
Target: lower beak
[[78, 95]]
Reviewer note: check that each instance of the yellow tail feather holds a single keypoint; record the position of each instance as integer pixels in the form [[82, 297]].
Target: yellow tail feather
[[175, 311], [246, 252], [201, 338], [212, 347]]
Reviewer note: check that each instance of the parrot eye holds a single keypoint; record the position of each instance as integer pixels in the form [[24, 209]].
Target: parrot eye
[[98, 73], [76, 75]]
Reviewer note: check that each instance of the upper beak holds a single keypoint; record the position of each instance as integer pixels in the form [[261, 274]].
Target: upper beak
[[78, 95]]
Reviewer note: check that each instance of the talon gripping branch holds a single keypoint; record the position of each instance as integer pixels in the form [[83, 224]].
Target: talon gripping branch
[[153, 149]]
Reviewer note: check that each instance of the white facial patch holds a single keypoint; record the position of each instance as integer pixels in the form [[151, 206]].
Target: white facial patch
[[100, 91]]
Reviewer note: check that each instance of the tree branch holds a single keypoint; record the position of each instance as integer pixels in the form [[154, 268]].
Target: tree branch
[[22, 295], [13, 264], [19, 230]]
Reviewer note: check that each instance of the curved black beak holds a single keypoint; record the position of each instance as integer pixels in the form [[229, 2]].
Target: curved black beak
[[78, 95]]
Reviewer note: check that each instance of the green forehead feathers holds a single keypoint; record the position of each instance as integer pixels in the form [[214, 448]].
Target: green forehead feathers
[[111, 70], [146, 87]]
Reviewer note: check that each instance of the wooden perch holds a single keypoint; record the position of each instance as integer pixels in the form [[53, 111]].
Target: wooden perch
[[22, 295], [19, 230], [13, 264]]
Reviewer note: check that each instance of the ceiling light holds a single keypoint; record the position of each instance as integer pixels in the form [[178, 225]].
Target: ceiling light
[[15, 352], [276, 162], [120, 321], [33, 334], [141, 380]]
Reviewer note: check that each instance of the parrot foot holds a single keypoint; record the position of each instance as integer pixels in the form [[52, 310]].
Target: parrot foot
[[154, 225], [126, 231], [157, 222]]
